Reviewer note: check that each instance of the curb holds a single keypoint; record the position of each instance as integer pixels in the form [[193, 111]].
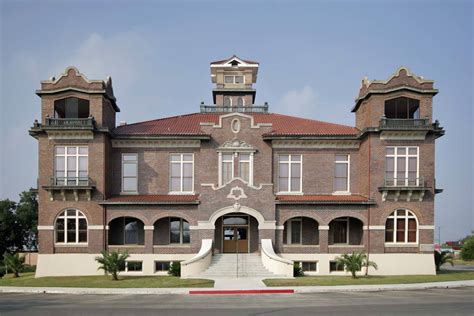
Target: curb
[[269, 290]]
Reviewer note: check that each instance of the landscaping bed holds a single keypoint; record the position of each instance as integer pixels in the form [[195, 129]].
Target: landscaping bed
[[362, 280], [29, 280]]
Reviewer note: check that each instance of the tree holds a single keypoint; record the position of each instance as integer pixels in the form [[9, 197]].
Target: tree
[[14, 263], [442, 258], [10, 227], [354, 262], [112, 262], [27, 212], [467, 250]]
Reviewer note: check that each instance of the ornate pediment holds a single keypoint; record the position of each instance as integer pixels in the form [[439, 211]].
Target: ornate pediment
[[236, 145]]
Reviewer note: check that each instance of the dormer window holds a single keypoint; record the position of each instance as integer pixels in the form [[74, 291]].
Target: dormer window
[[71, 108], [402, 108]]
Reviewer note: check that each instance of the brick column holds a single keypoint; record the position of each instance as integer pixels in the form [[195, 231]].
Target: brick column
[[323, 239], [279, 240], [149, 239]]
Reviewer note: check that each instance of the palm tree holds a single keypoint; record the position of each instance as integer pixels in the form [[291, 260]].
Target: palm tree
[[112, 262], [14, 262], [442, 258], [354, 262]]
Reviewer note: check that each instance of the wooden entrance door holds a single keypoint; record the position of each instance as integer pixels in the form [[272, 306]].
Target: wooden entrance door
[[235, 239]]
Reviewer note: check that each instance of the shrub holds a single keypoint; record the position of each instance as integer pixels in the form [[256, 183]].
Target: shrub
[[354, 262], [112, 262], [14, 263], [442, 258], [28, 268], [2, 271], [467, 250], [297, 270], [175, 269]]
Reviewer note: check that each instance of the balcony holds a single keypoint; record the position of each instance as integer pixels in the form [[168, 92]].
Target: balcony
[[405, 189], [404, 124], [239, 109], [60, 187], [65, 128], [69, 123]]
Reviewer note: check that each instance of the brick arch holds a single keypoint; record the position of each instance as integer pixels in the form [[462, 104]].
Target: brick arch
[[315, 217], [347, 214], [137, 216], [182, 215], [86, 214]]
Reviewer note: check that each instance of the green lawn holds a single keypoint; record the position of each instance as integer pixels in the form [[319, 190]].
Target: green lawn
[[460, 262], [347, 280], [28, 279]]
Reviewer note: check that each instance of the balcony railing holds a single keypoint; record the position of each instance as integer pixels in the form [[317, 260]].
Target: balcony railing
[[70, 123], [71, 182], [404, 183], [390, 123], [240, 109]]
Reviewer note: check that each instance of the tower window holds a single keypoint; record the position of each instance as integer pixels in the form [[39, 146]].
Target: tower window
[[240, 101], [227, 101], [71, 108], [234, 79], [402, 108]]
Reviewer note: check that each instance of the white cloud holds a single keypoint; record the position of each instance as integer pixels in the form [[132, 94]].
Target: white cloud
[[298, 102]]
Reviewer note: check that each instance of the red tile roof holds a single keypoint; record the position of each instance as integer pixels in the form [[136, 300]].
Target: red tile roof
[[152, 199], [189, 125], [322, 198]]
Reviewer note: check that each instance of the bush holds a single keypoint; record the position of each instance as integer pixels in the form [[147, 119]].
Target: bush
[[175, 269], [112, 262], [354, 262], [442, 258], [467, 250], [28, 268], [2, 271], [14, 263], [297, 270]]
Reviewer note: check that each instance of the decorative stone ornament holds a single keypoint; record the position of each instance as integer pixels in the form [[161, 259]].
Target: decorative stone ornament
[[236, 193], [235, 125]]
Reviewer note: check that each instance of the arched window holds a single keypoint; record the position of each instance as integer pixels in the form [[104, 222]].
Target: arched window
[[179, 231], [126, 231], [71, 227], [227, 101], [401, 227], [240, 101]]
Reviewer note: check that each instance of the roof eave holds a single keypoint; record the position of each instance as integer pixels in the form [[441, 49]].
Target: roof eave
[[369, 202]]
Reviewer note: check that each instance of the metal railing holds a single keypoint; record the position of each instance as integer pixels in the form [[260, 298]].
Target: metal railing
[[391, 123], [404, 182], [70, 122], [229, 109], [70, 182]]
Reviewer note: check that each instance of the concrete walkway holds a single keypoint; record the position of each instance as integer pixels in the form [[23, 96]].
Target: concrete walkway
[[245, 284]]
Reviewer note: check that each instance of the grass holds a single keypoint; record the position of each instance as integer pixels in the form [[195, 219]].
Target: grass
[[28, 279], [347, 280], [460, 262]]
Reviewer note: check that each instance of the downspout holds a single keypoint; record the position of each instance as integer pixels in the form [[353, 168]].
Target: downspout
[[368, 214]]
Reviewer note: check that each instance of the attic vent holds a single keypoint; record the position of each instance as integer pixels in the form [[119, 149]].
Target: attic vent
[[123, 123]]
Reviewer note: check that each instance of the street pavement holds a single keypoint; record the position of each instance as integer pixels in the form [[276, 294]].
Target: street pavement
[[457, 301]]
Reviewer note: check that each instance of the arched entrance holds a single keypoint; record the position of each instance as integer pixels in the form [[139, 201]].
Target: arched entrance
[[236, 233]]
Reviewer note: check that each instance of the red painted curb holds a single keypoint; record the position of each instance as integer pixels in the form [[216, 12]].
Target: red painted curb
[[283, 291]]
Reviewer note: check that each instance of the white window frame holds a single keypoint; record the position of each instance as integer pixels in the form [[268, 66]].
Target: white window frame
[[181, 162], [345, 219], [230, 99], [78, 215], [408, 215], [395, 156], [181, 230], [235, 165], [233, 79], [136, 172], [348, 162], [243, 101], [66, 155], [290, 162], [288, 230]]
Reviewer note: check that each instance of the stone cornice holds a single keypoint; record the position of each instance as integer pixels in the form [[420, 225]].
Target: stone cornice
[[157, 143], [316, 144]]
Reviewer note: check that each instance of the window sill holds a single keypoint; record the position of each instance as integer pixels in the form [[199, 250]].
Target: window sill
[[71, 245], [181, 193], [172, 246], [342, 193], [345, 246], [401, 245], [129, 193], [289, 193], [300, 245], [127, 246]]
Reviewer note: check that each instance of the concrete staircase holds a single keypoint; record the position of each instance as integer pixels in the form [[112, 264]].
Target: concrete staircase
[[237, 265]]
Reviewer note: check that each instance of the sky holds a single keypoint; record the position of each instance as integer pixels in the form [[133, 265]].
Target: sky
[[312, 54]]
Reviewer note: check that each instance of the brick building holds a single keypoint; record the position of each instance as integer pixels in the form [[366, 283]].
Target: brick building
[[236, 178]]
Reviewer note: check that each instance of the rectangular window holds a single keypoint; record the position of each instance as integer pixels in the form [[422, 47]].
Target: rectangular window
[[179, 231], [71, 165], [293, 231], [401, 166], [289, 173], [236, 165], [129, 173], [227, 168], [244, 167], [341, 173], [333, 266], [132, 266], [162, 266], [340, 229], [309, 266], [182, 173], [234, 79]]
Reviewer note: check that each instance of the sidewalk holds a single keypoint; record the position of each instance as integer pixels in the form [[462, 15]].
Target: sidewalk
[[245, 286]]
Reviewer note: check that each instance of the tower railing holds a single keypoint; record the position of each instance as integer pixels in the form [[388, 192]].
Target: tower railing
[[238, 108]]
